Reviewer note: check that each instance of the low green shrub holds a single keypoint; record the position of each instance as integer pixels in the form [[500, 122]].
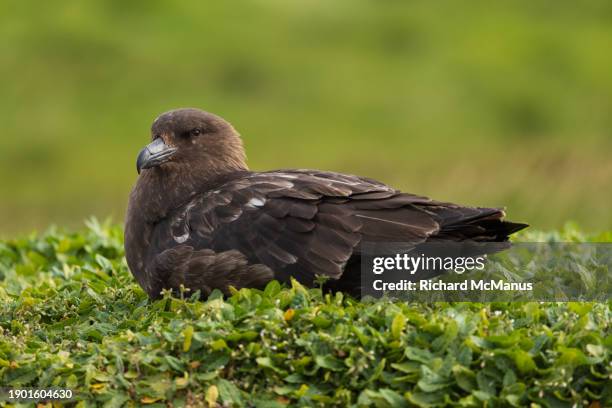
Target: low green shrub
[[71, 316]]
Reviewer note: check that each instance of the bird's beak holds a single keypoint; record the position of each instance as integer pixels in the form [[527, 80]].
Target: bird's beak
[[155, 153]]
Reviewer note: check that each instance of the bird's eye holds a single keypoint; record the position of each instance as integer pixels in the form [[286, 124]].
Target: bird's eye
[[195, 132]]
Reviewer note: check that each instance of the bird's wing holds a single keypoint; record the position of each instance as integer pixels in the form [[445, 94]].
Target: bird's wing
[[300, 222]]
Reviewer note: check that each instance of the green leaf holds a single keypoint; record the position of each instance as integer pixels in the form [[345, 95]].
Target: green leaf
[[188, 335], [398, 324], [524, 362], [329, 362], [420, 355], [571, 356], [175, 363], [432, 381], [229, 393], [266, 362], [465, 378]]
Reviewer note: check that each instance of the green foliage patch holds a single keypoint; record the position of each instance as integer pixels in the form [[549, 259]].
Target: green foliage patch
[[72, 316]]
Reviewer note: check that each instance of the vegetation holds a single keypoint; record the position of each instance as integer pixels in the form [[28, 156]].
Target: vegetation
[[484, 104], [72, 316], [496, 104]]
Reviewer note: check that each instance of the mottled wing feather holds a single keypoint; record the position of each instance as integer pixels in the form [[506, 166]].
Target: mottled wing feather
[[301, 222]]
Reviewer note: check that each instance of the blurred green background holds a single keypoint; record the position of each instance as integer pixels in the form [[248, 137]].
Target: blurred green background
[[496, 104]]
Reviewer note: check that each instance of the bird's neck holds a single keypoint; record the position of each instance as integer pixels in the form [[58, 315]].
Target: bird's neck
[[158, 191]]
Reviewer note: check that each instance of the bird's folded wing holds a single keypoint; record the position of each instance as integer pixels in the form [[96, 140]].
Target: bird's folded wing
[[300, 222]]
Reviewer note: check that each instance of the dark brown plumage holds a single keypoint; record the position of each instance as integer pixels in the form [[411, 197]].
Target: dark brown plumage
[[198, 217]]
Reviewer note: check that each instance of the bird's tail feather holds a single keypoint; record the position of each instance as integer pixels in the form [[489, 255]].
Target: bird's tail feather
[[483, 224]]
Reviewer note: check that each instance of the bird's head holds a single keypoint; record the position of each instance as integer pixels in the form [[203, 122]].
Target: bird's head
[[188, 141]]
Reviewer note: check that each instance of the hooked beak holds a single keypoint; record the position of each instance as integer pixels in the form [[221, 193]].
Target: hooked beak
[[154, 154]]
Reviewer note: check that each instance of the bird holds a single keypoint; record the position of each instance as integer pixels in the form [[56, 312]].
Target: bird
[[198, 219]]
